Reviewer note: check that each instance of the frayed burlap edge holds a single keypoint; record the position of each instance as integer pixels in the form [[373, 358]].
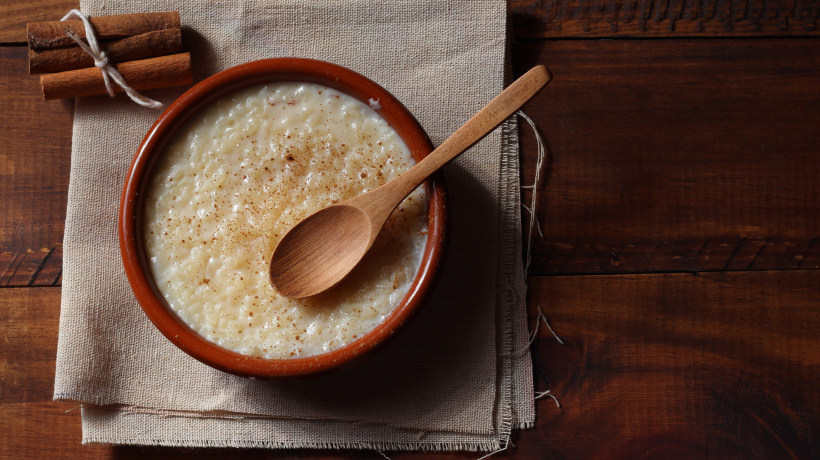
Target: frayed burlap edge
[[112, 426]]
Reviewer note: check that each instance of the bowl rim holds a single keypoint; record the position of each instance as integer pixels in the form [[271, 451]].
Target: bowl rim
[[175, 116]]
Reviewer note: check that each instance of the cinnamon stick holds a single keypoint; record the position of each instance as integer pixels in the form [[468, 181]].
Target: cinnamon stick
[[52, 34], [149, 44], [158, 72]]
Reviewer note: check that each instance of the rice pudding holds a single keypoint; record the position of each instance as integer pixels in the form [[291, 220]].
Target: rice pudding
[[239, 175]]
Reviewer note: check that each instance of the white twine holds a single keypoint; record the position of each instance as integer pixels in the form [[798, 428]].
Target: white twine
[[539, 164], [542, 318], [101, 62], [547, 393], [506, 443], [534, 224], [73, 409]]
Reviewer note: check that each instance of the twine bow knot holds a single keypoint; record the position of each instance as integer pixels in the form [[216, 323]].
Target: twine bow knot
[[109, 72], [102, 61]]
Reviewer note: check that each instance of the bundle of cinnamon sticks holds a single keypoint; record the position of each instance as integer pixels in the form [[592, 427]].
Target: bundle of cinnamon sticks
[[144, 47]]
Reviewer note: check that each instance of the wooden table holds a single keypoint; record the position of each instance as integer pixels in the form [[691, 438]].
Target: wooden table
[[681, 212]]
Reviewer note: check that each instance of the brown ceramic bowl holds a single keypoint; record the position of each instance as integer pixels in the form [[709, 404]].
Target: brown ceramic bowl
[[152, 147]]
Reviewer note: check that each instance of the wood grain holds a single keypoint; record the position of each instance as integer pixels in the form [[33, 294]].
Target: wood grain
[[721, 365], [663, 18], [29, 267], [32, 426], [14, 14], [34, 167], [569, 18], [676, 155]]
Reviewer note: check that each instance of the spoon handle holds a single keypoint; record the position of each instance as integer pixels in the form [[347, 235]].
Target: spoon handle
[[476, 128]]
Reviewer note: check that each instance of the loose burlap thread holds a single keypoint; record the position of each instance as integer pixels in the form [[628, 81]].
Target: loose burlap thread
[[452, 379]]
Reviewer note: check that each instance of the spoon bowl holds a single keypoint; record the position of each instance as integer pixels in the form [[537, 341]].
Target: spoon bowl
[[323, 260], [322, 249]]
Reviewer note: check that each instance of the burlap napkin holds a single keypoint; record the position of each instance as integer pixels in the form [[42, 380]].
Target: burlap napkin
[[458, 377]]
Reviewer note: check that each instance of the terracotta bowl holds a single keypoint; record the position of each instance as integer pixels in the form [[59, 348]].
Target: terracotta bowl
[[152, 147]]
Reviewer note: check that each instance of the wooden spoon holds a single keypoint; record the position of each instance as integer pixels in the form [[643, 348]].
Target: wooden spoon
[[324, 247]]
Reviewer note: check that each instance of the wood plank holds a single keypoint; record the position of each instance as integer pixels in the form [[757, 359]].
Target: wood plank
[[568, 18], [689, 188], [676, 155], [31, 268], [715, 173], [34, 168], [30, 317], [719, 365], [663, 18], [14, 14], [722, 365], [39, 430], [32, 425]]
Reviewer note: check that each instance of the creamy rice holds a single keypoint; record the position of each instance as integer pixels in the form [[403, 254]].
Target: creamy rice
[[236, 178]]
